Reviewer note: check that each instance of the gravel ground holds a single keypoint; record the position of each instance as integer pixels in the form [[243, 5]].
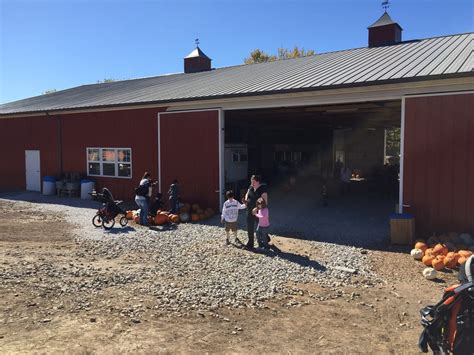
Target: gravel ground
[[188, 267]]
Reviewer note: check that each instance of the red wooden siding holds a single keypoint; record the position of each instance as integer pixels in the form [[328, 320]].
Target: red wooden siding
[[438, 179], [20, 134], [135, 129], [189, 143]]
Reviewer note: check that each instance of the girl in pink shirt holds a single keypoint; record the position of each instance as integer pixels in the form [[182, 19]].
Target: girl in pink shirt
[[261, 212]]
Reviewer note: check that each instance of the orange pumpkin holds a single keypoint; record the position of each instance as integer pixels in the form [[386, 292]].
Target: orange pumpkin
[[136, 219], [441, 249], [437, 263], [166, 213], [194, 217], [174, 218], [129, 215], [431, 252], [421, 246], [428, 259], [465, 253], [161, 219], [450, 262], [461, 260]]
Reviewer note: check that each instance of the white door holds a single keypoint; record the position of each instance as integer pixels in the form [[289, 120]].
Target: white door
[[32, 168]]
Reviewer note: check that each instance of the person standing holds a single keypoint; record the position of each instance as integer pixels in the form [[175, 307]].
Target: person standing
[[255, 191], [141, 197], [261, 212], [173, 193], [230, 214]]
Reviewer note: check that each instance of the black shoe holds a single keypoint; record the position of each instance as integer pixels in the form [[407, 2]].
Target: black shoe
[[249, 247]]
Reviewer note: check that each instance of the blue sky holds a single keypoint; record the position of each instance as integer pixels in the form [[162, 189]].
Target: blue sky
[[58, 44]]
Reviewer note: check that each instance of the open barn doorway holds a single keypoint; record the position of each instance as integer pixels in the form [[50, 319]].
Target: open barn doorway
[[351, 151]]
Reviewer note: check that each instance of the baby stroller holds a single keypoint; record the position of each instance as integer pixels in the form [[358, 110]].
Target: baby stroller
[[105, 215]]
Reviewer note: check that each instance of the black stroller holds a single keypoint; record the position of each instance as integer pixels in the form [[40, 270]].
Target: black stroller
[[105, 215]]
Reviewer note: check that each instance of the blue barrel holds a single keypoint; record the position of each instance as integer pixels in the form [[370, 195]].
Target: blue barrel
[[49, 185]]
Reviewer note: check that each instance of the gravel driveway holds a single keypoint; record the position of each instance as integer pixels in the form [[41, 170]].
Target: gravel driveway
[[188, 266]]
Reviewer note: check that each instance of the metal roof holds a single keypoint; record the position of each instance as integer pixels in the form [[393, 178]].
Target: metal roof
[[197, 53], [439, 57], [384, 20]]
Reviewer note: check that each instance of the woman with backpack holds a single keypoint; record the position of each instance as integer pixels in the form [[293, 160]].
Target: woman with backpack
[[141, 197]]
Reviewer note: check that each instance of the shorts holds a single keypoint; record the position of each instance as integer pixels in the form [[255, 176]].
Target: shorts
[[231, 226]]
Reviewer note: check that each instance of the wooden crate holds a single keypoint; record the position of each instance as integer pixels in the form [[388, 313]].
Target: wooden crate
[[402, 229]]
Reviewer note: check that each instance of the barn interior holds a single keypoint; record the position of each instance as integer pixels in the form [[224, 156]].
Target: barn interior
[[301, 152]]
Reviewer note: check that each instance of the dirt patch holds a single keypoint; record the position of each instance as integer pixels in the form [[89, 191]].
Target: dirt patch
[[40, 264]]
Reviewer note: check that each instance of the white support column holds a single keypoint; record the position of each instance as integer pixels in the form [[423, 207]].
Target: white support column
[[221, 156], [159, 155], [402, 156]]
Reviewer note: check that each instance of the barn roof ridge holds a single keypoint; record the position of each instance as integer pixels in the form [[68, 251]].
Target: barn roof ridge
[[429, 57]]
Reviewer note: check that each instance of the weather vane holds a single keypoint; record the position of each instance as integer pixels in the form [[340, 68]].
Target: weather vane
[[385, 5], [197, 42]]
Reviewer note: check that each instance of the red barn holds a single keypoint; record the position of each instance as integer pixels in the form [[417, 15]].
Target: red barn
[[211, 128]]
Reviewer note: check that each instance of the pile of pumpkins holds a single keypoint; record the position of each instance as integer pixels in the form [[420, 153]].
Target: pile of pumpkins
[[187, 213], [194, 212], [162, 217], [445, 251]]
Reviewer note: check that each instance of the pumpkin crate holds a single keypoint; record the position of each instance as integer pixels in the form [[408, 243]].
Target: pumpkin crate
[[402, 228]]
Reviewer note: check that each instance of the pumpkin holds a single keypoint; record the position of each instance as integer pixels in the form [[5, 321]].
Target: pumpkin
[[161, 219], [136, 219], [450, 262], [428, 259], [194, 217], [417, 254], [440, 249], [421, 246], [437, 263], [129, 215], [429, 273], [465, 253], [166, 213], [195, 207], [462, 260], [184, 217], [174, 218]]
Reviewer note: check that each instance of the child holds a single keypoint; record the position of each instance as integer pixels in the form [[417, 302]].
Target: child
[[230, 213], [261, 212], [173, 193]]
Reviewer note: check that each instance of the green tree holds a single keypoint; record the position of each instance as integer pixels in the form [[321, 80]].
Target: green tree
[[105, 81], [259, 56]]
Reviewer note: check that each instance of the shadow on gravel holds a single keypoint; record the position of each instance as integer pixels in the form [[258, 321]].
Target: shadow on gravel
[[165, 228], [121, 230], [294, 258]]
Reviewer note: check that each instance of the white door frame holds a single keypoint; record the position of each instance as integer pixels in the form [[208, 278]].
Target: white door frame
[[221, 148], [33, 180]]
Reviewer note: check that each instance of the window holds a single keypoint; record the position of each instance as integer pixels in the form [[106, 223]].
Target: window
[[113, 162]]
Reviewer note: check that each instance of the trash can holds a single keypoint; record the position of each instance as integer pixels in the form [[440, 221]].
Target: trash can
[[49, 185], [87, 186], [402, 228]]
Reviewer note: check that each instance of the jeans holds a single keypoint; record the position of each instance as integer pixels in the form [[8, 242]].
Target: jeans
[[143, 204], [262, 236], [251, 220], [174, 205]]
